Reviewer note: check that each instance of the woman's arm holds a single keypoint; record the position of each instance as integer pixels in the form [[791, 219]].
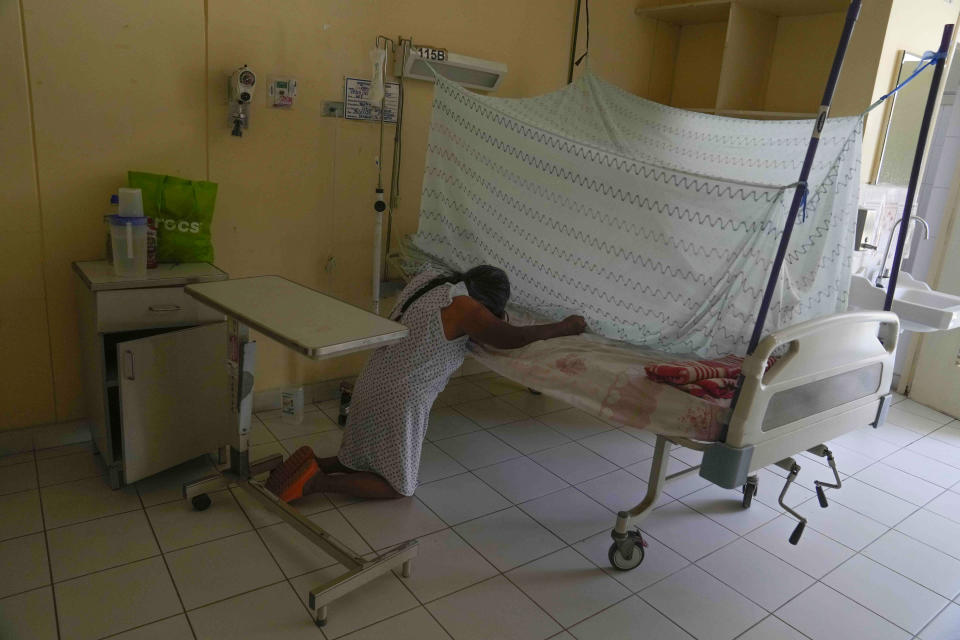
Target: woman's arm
[[466, 316]]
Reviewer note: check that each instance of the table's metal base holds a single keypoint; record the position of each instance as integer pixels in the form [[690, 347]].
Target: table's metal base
[[359, 570]]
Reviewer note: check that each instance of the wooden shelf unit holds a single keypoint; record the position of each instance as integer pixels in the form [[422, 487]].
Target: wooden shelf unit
[[747, 58]]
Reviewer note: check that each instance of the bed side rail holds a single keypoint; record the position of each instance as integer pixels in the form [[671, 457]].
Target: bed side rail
[[830, 373], [834, 355]]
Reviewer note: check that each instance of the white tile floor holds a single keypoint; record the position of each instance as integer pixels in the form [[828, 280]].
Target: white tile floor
[[517, 497]]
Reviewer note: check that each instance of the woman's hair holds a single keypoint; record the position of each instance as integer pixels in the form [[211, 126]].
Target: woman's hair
[[487, 285]]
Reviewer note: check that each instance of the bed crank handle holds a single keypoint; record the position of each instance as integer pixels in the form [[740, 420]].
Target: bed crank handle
[[790, 465]]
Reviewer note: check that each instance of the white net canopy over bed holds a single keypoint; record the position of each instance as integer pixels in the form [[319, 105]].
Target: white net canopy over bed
[[658, 225]]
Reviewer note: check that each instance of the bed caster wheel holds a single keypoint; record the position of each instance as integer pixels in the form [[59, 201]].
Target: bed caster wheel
[[749, 490], [320, 623], [200, 502], [534, 392], [622, 563]]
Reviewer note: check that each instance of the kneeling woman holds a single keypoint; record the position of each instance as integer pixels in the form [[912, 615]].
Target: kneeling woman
[[390, 408]]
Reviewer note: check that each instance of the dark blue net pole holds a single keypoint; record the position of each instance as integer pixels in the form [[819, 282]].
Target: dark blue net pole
[[800, 192], [917, 161]]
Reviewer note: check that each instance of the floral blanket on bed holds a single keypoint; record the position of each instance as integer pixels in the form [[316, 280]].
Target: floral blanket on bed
[[609, 379]]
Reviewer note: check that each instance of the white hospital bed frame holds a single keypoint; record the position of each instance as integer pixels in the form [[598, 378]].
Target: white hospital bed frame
[[834, 377]]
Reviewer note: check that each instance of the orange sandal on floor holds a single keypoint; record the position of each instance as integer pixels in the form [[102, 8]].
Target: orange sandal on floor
[[288, 480]]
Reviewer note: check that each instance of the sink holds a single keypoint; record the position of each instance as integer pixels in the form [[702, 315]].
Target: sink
[[920, 308]]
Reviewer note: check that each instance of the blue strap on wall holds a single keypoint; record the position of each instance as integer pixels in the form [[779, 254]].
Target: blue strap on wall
[[928, 58]]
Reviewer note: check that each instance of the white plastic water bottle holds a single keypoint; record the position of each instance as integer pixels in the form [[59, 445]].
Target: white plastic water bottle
[[291, 405]]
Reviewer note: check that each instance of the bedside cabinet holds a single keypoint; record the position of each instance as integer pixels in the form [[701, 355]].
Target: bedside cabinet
[[155, 368]]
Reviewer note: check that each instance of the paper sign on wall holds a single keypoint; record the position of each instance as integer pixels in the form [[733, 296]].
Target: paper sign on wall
[[356, 106]]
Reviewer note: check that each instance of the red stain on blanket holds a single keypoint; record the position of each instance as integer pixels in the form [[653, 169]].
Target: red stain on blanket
[[571, 365], [705, 422]]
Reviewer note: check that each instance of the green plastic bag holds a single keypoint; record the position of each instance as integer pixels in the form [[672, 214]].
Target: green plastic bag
[[183, 212]]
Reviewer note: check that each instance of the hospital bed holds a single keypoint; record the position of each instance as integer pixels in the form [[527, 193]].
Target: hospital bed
[[830, 376], [661, 227], [316, 326]]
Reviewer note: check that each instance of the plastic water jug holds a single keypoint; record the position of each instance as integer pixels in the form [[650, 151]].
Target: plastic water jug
[[291, 405], [128, 237], [130, 202]]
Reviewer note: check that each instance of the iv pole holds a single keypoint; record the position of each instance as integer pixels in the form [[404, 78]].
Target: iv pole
[[379, 204]]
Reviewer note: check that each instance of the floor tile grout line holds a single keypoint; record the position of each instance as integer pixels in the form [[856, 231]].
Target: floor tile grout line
[[802, 591], [733, 588], [663, 613], [187, 612], [286, 578], [876, 613], [942, 490], [166, 565], [854, 477], [46, 543], [618, 602], [950, 447], [108, 515], [926, 457], [902, 575], [147, 624], [22, 535], [373, 624], [753, 626], [774, 615], [90, 448], [161, 552], [917, 415], [111, 567], [930, 621]]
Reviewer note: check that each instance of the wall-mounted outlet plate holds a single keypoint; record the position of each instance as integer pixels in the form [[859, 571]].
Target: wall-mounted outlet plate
[[332, 109]]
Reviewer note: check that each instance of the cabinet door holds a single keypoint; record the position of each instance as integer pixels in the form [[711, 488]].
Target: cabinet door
[[174, 398]]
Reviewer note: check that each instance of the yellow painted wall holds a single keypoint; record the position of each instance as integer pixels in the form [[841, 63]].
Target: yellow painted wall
[[697, 70], [800, 63], [140, 84], [26, 387], [115, 86]]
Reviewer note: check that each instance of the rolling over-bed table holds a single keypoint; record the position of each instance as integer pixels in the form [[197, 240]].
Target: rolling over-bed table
[[316, 326]]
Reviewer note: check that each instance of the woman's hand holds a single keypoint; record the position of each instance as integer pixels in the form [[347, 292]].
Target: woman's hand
[[572, 326], [467, 316]]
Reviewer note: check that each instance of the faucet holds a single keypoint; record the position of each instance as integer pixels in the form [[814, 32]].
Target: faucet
[[884, 272]]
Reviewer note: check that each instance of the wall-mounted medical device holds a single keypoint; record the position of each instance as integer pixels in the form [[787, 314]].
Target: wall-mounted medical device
[[411, 61], [240, 95], [281, 92]]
